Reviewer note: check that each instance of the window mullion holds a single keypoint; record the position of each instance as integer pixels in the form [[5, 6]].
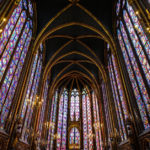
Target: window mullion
[[15, 73], [28, 105], [57, 118], [87, 121], [139, 39], [135, 78], [29, 85], [50, 121], [139, 62], [11, 57], [10, 34], [33, 98], [122, 112], [142, 34], [131, 48], [55, 121], [116, 105], [135, 75], [12, 77]]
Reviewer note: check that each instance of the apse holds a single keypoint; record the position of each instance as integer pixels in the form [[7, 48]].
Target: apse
[[75, 113]]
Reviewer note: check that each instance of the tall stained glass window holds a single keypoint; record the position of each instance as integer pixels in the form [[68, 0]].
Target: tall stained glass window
[[118, 95], [87, 121], [62, 121], [96, 123], [74, 139], [106, 109], [64, 128], [74, 106], [14, 44], [51, 132], [42, 103], [31, 94], [135, 48]]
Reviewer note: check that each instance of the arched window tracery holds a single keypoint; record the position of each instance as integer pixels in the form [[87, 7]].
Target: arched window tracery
[[74, 138], [135, 49], [62, 128], [74, 106], [14, 44]]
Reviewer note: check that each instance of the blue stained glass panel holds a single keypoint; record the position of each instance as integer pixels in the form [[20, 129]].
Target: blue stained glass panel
[[11, 45], [138, 48], [136, 69], [139, 29], [133, 81]]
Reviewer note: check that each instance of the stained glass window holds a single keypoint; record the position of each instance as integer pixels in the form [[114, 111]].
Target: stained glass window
[[14, 44], [31, 97], [43, 107], [74, 139], [135, 49], [51, 131], [74, 106], [87, 122], [106, 108], [118, 95], [96, 124], [139, 50], [69, 130], [118, 7], [62, 121]]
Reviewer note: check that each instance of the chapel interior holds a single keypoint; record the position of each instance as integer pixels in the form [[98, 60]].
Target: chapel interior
[[74, 74]]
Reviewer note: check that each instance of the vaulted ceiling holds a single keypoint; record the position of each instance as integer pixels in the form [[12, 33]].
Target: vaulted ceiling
[[75, 35]]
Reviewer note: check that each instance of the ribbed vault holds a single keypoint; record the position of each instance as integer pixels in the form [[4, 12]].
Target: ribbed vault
[[75, 48]]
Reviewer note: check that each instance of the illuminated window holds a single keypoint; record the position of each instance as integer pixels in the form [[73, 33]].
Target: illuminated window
[[118, 95], [74, 106], [87, 122], [62, 121], [51, 131], [118, 7], [14, 44], [107, 110], [43, 107], [74, 139], [31, 98], [96, 123], [135, 48]]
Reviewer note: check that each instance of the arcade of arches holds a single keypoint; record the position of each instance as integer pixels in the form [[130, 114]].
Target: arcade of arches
[[74, 75]]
